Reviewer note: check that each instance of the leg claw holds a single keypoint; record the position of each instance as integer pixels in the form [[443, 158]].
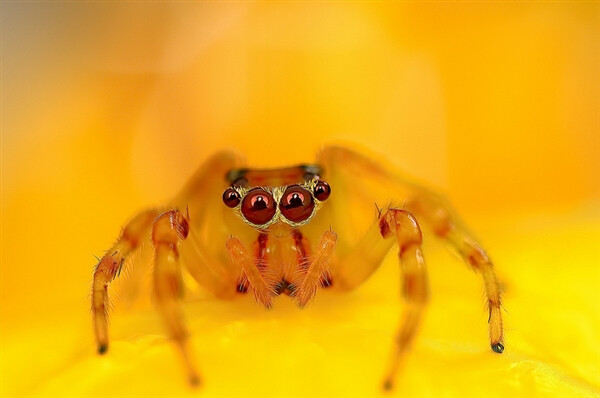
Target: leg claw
[[498, 348]]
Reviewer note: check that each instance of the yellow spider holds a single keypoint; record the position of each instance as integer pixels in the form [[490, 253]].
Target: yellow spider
[[291, 231]]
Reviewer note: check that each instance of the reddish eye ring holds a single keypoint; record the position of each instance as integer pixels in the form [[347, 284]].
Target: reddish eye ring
[[297, 204], [231, 197], [322, 190], [258, 206], [294, 196], [259, 202]]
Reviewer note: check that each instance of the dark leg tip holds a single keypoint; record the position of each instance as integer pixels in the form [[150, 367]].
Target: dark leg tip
[[194, 381], [388, 385], [102, 349], [498, 348]]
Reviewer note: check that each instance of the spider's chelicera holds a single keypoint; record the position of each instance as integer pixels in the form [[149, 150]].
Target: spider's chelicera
[[298, 229]]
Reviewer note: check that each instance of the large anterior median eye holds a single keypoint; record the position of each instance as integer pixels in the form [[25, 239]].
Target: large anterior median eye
[[296, 204], [258, 206]]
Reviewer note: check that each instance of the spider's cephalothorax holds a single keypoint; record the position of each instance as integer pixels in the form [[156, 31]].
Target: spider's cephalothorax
[[290, 249], [263, 206], [277, 203]]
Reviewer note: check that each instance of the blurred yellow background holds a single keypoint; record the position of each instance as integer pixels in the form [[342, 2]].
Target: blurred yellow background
[[108, 108]]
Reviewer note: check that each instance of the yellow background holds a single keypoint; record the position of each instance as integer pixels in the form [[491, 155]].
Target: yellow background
[[108, 108]]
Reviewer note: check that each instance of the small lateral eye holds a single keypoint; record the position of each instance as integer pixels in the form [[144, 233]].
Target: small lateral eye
[[296, 204], [231, 197], [322, 190], [258, 206]]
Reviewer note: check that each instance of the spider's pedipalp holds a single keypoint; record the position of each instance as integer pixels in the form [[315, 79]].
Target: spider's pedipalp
[[317, 272], [263, 288]]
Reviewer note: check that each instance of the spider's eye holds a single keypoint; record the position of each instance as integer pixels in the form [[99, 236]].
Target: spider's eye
[[258, 206], [231, 197], [297, 204], [322, 190]]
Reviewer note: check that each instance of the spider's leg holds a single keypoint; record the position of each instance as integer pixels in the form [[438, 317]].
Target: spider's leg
[[428, 207], [365, 257], [361, 260], [446, 226], [203, 254], [359, 184], [170, 229], [110, 267], [256, 275], [316, 269], [415, 290]]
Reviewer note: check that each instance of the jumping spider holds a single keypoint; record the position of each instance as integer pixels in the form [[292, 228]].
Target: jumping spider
[[291, 231]]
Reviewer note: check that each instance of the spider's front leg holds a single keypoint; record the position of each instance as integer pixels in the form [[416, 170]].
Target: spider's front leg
[[366, 256], [110, 267], [170, 229], [415, 290]]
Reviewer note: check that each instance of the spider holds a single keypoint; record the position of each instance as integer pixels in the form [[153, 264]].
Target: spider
[[292, 231]]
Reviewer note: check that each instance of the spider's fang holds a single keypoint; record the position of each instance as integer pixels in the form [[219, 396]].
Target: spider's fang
[[242, 288], [326, 280]]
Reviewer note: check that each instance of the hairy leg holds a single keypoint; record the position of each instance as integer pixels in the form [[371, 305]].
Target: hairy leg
[[445, 225], [384, 183], [415, 290], [110, 267], [203, 254], [170, 229], [360, 262]]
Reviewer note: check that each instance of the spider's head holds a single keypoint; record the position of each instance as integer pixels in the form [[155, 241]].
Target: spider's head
[[261, 207]]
